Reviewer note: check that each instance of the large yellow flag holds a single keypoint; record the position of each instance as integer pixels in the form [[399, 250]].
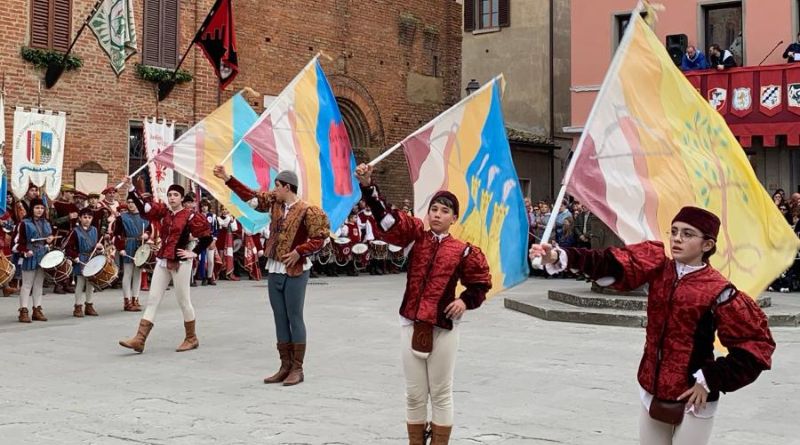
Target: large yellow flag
[[653, 144]]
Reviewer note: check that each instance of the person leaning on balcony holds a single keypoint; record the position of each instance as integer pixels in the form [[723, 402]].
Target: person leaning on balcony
[[693, 60], [719, 58], [792, 53]]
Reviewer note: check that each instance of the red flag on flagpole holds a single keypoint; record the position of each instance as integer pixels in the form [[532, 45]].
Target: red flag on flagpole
[[217, 39]]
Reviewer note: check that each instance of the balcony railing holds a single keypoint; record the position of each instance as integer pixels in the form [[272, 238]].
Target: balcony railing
[[755, 101]]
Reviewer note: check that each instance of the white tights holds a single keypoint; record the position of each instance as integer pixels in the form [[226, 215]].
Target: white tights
[[82, 296], [131, 280], [158, 287], [32, 281], [692, 431], [432, 377]]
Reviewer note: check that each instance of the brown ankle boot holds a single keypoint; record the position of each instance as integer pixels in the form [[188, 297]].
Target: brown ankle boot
[[137, 341], [191, 341], [23, 315], [416, 433], [90, 310], [296, 373], [440, 435], [59, 289], [126, 304], [78, 311], [135, 305], [285, 353], [38, 315]]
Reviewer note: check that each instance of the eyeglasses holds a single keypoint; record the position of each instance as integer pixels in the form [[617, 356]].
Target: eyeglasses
[[685, 235]]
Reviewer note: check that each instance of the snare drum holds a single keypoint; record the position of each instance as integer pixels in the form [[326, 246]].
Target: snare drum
[[145, 257], [325, 253], [379, 249], [100, 271], [397, 255], [360, 254], [7, 270], [57, 265], [341, 248]]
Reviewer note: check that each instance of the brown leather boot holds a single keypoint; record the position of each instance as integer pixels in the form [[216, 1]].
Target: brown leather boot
[[285, 353], [59, 289], [126, 304], [69, 288], [191, 341], [78, 311], [296, 373], [440, 435], [416, 433], [23, 315], [90, 310], [135, 305], [38, 315], [137, 341]]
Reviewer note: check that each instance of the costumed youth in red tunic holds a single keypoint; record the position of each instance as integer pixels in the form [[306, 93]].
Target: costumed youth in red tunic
[[430, 311], [688, 303], [173, 260]]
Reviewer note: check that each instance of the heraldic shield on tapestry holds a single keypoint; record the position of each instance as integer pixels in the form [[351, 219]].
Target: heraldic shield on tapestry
[[38, 151]]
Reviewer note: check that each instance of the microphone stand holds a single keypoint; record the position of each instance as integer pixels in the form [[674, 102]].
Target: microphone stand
[[770, 53]]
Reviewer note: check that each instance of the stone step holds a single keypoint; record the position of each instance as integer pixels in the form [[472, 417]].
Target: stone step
[[542, 307], [588, 299], [783, 310]]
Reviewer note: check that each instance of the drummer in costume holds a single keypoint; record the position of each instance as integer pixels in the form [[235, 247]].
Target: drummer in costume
[[351, 231], [174, 261], [34, 235], [64, 218], [99, 213], [7, 223], [430, 312], [130, 231], [83, 242], [297, 230]]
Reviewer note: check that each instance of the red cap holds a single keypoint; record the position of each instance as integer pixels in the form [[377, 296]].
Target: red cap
[[447, 195]]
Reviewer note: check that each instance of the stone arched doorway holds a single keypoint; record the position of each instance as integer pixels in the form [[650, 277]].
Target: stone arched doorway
[[357, 128]]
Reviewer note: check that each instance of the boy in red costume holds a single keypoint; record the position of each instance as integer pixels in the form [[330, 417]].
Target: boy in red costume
[[689, 301], [430, 312]]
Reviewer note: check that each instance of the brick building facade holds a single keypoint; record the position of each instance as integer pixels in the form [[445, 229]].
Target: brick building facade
[[392, 65]]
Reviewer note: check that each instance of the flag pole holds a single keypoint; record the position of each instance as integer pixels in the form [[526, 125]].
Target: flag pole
[[615, 63], [391, 150], [135, 172], [56, 69]]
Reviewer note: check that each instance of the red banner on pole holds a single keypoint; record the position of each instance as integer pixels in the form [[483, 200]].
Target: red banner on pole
[[741, 93], [771, 92]]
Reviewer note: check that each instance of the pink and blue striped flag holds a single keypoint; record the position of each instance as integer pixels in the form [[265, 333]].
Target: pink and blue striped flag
[[302, 130], [205, 145]]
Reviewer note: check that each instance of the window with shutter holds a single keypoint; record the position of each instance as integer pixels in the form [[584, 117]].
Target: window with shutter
[[51, 24], [486, 14], [469, 15], [160, 43]]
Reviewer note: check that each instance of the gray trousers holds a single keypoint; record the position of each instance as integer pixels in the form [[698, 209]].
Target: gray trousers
[[287, 296]]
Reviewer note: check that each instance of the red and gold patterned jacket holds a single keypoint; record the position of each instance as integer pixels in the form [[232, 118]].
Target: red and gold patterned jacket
[[682, 317], [434, 267], [176, 228], [304, 227]]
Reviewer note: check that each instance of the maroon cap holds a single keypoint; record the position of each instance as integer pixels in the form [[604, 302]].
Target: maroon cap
[[447, 195], [176, 188], [702, 219]]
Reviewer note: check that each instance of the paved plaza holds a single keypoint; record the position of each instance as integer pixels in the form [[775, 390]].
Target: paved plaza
[[519, 380]]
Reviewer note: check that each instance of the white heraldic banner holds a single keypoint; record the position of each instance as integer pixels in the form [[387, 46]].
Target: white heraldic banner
[[157, 136], [38, 155]]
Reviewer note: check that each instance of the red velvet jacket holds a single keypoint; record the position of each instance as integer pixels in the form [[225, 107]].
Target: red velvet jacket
[[176, 227], [434, 267], [303, 228], [682, 318]]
